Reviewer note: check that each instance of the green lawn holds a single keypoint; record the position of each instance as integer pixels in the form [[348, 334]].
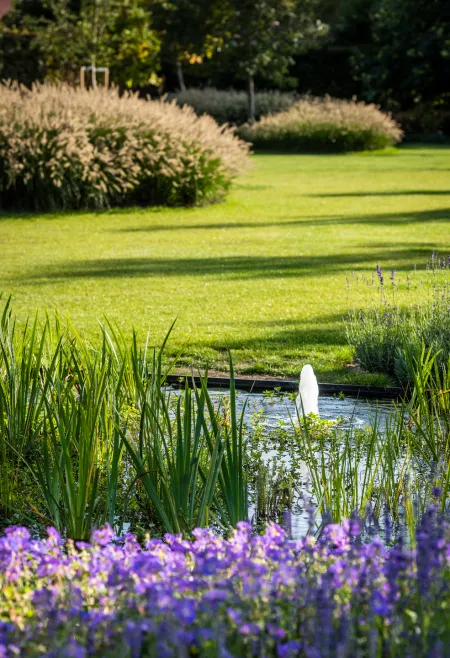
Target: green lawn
[[263, 273]]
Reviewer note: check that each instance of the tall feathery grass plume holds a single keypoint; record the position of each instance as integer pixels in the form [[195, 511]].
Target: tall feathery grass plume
[[65, 148]]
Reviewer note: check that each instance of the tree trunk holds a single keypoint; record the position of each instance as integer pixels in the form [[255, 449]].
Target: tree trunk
[[251, 99], [93, 72], [180, 77]]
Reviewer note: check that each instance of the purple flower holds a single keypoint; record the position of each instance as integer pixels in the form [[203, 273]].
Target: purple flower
[[74, 650], [288, 649], [133, 638], [54, 537], [243, 595], [249, 629], [103, 536], [276, 632]]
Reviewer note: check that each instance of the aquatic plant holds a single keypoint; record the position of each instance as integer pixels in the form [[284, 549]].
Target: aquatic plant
[[92, 434]]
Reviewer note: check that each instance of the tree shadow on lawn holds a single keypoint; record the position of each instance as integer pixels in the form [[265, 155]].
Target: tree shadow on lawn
[[285, 334], [387, 193], [32, 216], [231, 267], [285, 350], [388, 219]]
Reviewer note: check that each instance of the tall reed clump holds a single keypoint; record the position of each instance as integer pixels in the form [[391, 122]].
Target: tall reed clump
[[90, 434], [64, 148], [324, 125], [231, 106]]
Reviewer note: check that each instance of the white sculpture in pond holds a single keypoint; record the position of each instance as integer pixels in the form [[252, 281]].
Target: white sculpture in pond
[[308, 392]]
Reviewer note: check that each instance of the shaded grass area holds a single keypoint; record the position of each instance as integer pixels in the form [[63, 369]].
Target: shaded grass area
[[263, 273]]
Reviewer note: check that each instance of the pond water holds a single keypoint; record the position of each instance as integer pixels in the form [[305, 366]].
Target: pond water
[[357, 413], [274, 409]]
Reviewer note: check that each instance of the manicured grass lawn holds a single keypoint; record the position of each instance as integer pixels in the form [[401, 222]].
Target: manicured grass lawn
[[263, 273]]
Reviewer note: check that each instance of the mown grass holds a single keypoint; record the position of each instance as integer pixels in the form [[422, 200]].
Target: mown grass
[[263, 273]]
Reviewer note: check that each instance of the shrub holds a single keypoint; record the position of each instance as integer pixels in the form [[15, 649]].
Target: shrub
[[67, 148], [242, 596], [327, 124], [426, 121], [232, 106]]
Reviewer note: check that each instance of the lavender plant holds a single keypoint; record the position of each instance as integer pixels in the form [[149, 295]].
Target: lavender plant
[[398, 316], [242, 596]]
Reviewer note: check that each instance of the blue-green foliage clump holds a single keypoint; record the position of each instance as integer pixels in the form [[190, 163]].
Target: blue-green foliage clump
[[232, 106]]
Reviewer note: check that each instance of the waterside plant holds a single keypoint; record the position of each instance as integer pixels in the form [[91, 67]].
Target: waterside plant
[[92, 434]]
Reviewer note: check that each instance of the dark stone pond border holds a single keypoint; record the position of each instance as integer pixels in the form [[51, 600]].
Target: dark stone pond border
[[287, 385]]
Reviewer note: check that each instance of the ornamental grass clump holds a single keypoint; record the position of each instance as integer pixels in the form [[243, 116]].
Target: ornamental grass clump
[[324, 125], [64, 148], [247, 595], [231, 106]]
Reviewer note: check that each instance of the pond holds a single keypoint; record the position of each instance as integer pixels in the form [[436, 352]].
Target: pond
[[279, 407], [274, 412]]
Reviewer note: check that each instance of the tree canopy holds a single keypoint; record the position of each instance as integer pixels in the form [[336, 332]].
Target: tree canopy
[[393, 52]]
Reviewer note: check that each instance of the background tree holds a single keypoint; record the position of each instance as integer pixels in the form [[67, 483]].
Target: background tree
[[113, 33], [260, 37], [186, 29], [134, 47], [20, 58], [408, 61]]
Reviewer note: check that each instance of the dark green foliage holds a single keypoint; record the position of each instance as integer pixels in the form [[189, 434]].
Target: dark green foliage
[[55, 39], [261, 37], [20, 56], [186, 28], [409, 59], [321, 139]]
